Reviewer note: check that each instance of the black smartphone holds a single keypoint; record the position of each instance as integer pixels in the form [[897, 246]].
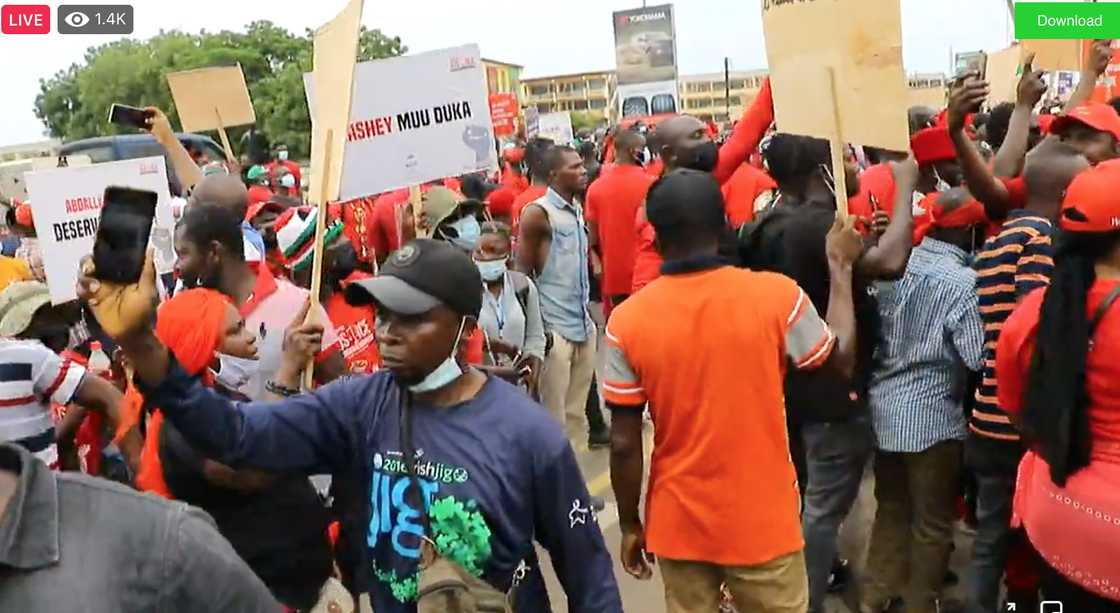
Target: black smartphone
[[123, 233], [129, 116]]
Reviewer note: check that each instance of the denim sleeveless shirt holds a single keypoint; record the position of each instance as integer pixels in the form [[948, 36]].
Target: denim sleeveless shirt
[[563, 283]]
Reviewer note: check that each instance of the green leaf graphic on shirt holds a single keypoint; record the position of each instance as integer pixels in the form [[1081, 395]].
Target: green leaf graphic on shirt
[[460, 534]]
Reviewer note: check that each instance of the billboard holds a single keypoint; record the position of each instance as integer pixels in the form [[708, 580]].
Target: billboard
[[645, 45]]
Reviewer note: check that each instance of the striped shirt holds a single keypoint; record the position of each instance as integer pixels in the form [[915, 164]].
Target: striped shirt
[[931, 336], [1011, 265], [31, 377]]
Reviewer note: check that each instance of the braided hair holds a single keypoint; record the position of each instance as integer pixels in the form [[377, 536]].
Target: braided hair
[[1054, 411]]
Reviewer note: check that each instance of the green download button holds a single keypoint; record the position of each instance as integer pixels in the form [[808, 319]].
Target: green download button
[[1066, 20]]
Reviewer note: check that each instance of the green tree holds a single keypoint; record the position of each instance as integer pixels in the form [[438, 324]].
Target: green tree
[[74, 102], [585, 120]]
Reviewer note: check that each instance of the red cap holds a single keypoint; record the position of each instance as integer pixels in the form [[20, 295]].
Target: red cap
[[932, 145], [1092, 202], [23, 215], [1096, 115], [255, 209], [1046, 123]]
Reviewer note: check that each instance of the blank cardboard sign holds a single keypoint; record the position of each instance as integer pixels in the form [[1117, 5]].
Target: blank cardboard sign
[[202, 96], [861, 40], [1003, 74], [335, 53], [1055, 54]]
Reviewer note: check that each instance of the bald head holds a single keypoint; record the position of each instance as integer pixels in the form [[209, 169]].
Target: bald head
[[627, 145], [685, 143], [920, 117], [226, 191]]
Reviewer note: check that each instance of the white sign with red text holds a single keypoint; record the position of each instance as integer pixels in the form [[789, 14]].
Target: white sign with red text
[[415, 119], [66, 205]]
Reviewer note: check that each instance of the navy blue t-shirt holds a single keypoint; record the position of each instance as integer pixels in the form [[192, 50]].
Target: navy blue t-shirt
[[497, 473]]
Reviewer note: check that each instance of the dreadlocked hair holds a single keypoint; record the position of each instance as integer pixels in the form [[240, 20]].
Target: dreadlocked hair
[[791, 159], [1054, 411]]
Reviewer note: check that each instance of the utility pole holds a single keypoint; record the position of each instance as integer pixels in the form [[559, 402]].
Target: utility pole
[[727, 86]]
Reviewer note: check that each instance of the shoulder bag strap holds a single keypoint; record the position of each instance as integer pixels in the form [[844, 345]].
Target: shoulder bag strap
[[1102, 310]]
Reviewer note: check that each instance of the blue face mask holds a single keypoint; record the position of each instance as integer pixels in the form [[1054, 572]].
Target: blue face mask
[[492, 270], [467, 231], [446, 372]]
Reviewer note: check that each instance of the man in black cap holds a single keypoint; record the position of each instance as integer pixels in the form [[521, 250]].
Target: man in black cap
[[495, 471], [705, 347]]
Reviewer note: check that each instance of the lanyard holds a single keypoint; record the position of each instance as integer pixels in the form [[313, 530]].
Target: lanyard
[[498, 305]]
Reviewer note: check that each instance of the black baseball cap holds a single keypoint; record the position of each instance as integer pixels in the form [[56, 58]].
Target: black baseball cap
[[420, 276]]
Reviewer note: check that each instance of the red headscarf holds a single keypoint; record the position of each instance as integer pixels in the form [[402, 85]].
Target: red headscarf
[[968, 214], [191, 326]]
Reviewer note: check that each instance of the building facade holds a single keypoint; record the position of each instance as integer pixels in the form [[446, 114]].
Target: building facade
[[502, 77], [590, 92], [719, 97]]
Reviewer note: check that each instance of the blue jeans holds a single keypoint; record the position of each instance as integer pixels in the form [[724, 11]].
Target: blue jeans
[[835, 454], [994, 492]]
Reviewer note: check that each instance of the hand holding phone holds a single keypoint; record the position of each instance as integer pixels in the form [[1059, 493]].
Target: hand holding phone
[[123, 234], [129, 116]]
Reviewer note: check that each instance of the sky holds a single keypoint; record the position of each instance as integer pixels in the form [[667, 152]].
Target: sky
[[546, 37]]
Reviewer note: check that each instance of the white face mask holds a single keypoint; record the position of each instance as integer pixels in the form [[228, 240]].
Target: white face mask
[[491, 270], [234, 372], [282, 155], [448, 371], [942, 185]]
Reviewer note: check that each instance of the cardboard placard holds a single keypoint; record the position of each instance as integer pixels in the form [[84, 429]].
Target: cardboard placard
[[66, 205], [335, 54], [503, 113], [211, 98], [1055, 54], [933, 97], [861, 40], [557, 127], [439, 126], [1003, 72]]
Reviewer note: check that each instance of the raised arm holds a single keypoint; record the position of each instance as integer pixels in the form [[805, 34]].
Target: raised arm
[[887, 258], [188, 173], [1100, 55], [747, 134], [982, 184], [1009, 158]]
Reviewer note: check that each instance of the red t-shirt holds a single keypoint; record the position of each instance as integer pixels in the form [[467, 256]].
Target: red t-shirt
[[741, 192], [356, 328], [612, 202], [357, 225], [385, 232], [876, 181], [1102, 368], [533, 192]]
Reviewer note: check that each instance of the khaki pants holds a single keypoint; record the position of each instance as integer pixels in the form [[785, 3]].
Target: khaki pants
[[913, 529], [779, 586], [566, 379]]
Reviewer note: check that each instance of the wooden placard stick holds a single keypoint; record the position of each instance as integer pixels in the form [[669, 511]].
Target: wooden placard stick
[[836, 145], [225, 137], [415, 199], [317, 263]]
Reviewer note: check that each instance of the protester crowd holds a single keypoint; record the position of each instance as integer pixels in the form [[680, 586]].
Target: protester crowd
[[952, 326]]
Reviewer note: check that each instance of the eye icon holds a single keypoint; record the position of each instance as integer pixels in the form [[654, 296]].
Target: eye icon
[[77, 19]]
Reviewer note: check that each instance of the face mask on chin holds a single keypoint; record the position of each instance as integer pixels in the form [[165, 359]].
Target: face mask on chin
[[448, 370], [703, 157], [234, 372]]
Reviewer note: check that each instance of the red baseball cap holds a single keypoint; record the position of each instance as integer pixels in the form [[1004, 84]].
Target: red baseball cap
[[256, 208], [1099, 116], [1092, 202], [932, 145]]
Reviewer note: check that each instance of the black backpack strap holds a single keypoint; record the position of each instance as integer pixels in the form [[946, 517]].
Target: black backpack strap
[[521, 289], [410, 459], [1102, 310]]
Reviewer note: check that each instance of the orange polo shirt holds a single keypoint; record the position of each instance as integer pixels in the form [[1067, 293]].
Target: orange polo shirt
[[722, 486]]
